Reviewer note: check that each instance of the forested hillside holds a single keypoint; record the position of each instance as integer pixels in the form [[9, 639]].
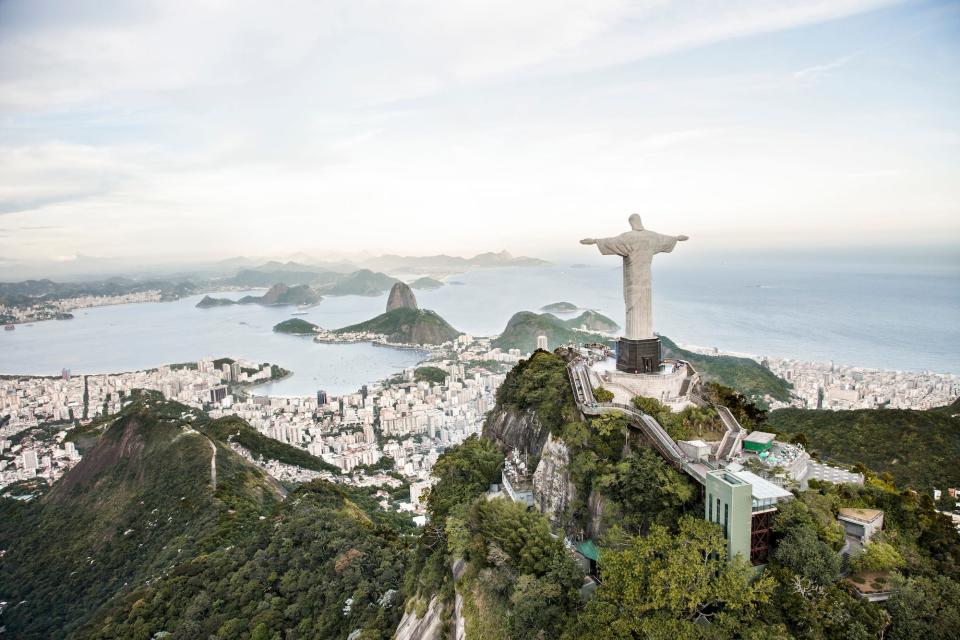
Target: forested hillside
[[743, 374], [140, 538], [919, 449]]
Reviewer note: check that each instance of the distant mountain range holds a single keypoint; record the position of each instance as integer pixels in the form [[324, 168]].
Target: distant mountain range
[[445, 263], [86, 269]]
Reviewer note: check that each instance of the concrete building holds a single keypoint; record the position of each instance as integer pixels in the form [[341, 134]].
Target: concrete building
[[697, 449], [861, 524], [542, 342], [743, 504], [758, 441]]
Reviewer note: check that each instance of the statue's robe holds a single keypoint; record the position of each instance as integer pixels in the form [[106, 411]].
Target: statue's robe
[[637, 249]]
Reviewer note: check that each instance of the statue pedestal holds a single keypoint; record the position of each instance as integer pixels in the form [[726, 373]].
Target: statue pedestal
[[638, 356]]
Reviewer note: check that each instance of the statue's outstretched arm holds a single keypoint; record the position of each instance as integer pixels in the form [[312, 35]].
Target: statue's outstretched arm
[[681, 238], [588, 241]]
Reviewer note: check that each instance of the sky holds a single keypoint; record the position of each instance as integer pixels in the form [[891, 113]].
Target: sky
[[151, 131]]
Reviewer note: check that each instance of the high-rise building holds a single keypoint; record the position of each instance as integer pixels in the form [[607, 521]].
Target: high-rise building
[[542, 342], [234, 371], [321, 397], [217, 394]]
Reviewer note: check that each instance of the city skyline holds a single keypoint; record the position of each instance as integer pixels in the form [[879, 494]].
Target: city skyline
[[151, 133]]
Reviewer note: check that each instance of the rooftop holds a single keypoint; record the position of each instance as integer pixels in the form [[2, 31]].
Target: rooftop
[[588, 549], [760, 437], [860, 515], [762, 489]]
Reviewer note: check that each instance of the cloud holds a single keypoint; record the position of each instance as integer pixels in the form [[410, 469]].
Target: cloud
[[814, 72], [166, 123], [355, 51]]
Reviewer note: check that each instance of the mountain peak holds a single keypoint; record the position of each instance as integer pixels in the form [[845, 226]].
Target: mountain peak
[[401, 296]]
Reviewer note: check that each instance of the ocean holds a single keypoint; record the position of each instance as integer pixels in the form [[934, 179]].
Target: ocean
[[897, 320]]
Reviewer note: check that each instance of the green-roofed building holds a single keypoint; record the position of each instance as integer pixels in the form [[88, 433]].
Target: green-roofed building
[[589, 550], [758, 441]]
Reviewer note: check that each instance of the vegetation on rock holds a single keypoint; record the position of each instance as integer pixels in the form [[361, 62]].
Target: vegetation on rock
[[436, 375], [296, 326], [407, 326]]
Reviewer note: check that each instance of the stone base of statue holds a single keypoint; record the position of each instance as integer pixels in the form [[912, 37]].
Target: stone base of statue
[[638, 356]]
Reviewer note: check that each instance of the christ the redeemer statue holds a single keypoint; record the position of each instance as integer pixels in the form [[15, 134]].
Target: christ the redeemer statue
[[637, 248]]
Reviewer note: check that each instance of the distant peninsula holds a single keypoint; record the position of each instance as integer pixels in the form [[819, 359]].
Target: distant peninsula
[[296, 326], [277, 295], [361, 282], [592, 321], [524, 327], [559, 307], [747, 376]]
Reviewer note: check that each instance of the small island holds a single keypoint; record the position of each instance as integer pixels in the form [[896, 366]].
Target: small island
[[209, 302], [426, 283], [296, 327], [560, 307]]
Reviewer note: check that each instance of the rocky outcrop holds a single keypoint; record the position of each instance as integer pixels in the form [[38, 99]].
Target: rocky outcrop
[[595, 503], [429, 627], [401, 297], [553, 491], [407, 326], [209, 302], [512, 429]]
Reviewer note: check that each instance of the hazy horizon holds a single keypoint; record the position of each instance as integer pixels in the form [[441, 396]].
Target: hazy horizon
[[153, 132]]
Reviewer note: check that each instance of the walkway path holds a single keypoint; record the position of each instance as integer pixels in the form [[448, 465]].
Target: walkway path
[[587, 404]]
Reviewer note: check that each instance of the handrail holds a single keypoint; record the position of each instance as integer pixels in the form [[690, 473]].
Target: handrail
[[587, 404]]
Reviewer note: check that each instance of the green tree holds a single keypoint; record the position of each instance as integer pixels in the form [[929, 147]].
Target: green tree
[[463, 472], [524, 536], [435, 375], [602, 395], [924, 607], [806, 555], [667, 586], [647, 490], [878, 556]]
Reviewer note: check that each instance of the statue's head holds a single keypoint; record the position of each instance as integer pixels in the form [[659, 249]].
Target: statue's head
[[635, 223]]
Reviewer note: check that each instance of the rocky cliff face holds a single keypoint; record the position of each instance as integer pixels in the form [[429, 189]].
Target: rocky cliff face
[[401, 297], [552, 488], [429, 627], [512, 429], [595, 503]]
